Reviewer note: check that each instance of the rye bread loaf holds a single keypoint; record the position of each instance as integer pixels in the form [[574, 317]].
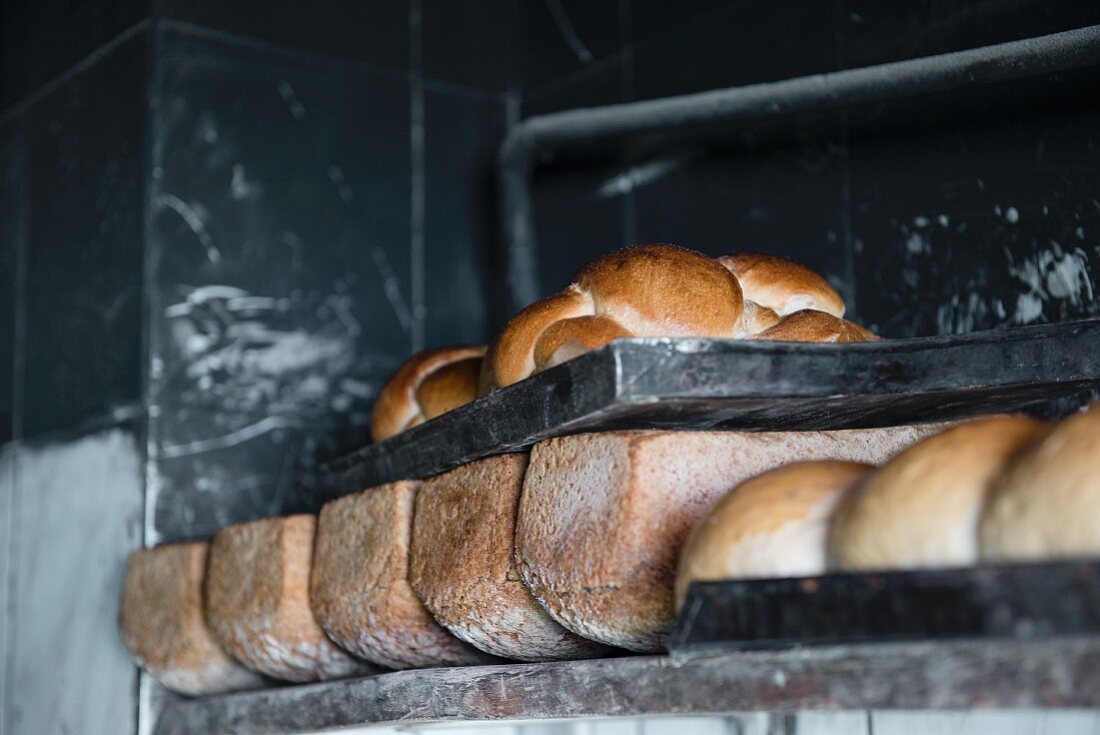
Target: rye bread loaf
[[359, 588], [257, 601], [162, 624], [463, 564], [604, 516]]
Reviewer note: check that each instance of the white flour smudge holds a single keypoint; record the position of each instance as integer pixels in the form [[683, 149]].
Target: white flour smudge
[[246, 357], [916, 244], [297, 109], [1051, 275]]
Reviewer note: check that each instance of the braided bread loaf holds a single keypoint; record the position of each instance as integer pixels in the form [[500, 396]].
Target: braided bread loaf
[[649, 290], [644, 291], [667, 291], [430, 383]]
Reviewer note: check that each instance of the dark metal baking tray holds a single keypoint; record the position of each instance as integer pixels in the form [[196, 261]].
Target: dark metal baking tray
[[749, 386], [1023, 601]]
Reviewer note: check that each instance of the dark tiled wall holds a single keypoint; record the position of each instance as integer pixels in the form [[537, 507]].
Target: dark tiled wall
[[853, 200], [281, 211], [315, 218], [73, 203], [40, 41], [247, 219]]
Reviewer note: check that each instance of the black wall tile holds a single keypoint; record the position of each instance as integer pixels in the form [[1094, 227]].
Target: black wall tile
[[372, 32], [39, 40], [579, 215], [86, 177], [785, 201], [743, 43], [979, 222], [461, 228], [474, 42], [602, 83], [13, 215], [560, 37], [281, 208], [873, 32], [651, 20]]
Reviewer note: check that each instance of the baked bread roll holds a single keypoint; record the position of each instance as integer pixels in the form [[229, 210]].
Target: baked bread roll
[[771, 525], [922, 508], [257, 604], [463, 565], [359, 587], [782, 286], [162, 624], [816, 326], [428, 384], [604, 516], [1046, 501], [644, 291]]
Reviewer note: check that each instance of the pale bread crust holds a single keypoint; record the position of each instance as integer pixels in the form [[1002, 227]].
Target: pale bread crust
[[816, 326], [162, 624], [428, 384], [756, 319], [359, 587], [257, 601], [463, 566], [922, 508], [1045, 503], [772, 525], [782, 285], [604, 516]]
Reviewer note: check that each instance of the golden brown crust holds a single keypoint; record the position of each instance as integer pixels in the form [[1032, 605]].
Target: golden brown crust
[[449, 387], [782, 285], [512, 356], [1045, 503], [429, 383], [359, 587], [463, 564], [162, 624], [563, 340], [644, 291], [922, 508], [771, 525], [816, 326], [257, 601], [664, 291]]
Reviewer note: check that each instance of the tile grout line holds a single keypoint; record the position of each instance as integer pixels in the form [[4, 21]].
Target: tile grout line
[[9, 579], [626, 91], [143, 706], [8, 661], [846, 221], [417, 173]]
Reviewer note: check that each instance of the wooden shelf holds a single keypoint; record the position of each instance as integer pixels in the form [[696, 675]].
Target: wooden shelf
[[1003, 674]]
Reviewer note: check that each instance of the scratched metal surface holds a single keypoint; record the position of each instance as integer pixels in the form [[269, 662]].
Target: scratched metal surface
[[750, 386], [915, 675]]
